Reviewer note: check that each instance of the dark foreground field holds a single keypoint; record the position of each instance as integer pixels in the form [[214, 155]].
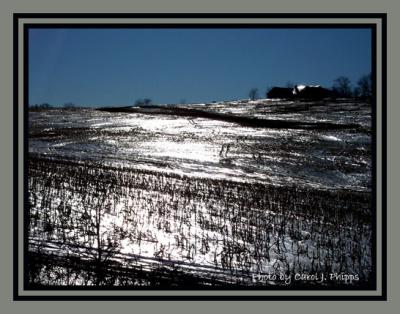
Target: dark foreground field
[[169, 200]]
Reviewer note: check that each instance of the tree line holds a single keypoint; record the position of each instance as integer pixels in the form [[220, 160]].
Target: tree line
[[342, 88], [46, 106]]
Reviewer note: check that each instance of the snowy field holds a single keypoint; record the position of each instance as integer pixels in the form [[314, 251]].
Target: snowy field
[[138, 199]]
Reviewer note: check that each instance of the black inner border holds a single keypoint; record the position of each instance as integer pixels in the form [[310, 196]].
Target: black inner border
[[26, 28]]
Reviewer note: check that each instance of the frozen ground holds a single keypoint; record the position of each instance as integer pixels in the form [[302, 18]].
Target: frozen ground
[[162, 193], [208, 148]]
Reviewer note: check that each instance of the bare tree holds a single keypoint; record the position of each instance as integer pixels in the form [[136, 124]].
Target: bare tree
[[69, 105], [143, 102], [342, 87], [356, 92], [147, 101], [365, 85], [38, 107], [253, 93]]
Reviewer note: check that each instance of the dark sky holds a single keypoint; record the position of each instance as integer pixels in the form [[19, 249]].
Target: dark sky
[[98, 67]]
